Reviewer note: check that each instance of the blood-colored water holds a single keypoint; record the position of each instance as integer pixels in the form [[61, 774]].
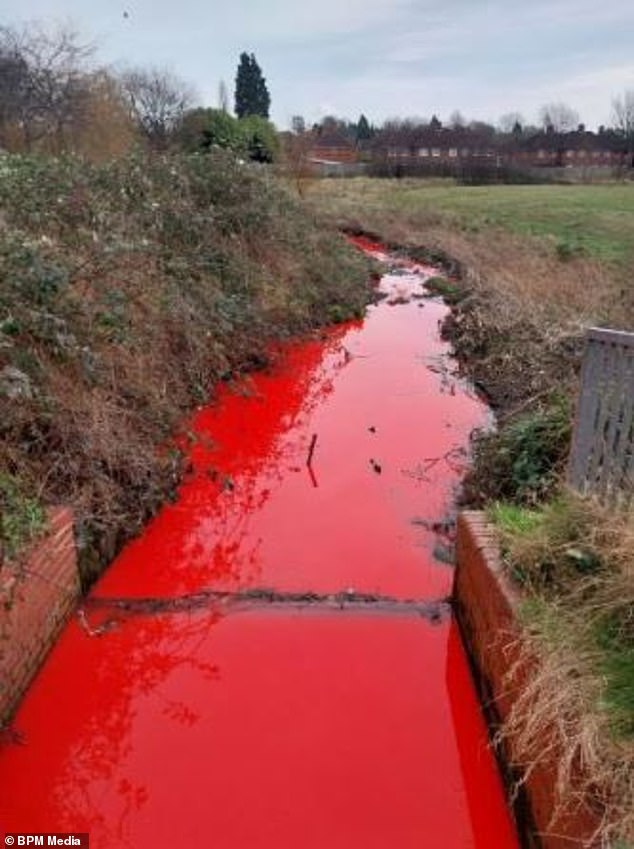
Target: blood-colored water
[[379, 395], [282, 726]]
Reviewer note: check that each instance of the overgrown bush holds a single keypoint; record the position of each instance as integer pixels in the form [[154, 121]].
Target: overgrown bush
[[126, 292], [253, 137], [523, 460]]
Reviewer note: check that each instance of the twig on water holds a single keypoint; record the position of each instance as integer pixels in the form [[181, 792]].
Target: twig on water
[[311, 450]]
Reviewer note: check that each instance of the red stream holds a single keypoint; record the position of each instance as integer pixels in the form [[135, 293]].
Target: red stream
[[281, 727]]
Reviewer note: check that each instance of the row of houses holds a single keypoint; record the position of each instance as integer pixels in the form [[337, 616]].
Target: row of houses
[[446, 146]]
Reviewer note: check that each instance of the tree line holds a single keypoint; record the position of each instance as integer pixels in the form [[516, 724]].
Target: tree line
[[552, 118], [55, 99]]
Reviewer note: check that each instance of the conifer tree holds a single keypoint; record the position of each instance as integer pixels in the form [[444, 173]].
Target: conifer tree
[[252, 96], [364, 130]]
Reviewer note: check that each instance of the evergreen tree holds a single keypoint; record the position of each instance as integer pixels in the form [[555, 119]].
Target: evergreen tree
[[252, 96], [364, 130]]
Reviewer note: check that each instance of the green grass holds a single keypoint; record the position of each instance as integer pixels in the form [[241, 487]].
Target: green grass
[[513, 519], [595, 220], [617, 668], [450, 293]]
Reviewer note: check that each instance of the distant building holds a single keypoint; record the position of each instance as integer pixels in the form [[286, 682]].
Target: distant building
[[429, 145], [414, 147], [331, 147]]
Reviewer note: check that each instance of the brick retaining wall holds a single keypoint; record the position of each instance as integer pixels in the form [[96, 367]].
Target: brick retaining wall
[[486, 605], [35, 603]]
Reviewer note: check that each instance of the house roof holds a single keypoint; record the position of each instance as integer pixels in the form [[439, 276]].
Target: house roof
[[406, 138]]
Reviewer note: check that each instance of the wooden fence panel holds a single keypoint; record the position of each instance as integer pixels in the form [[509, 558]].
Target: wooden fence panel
[[601, 459]]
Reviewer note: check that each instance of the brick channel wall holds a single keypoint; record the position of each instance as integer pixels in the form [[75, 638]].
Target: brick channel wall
[[36, 599], [486, 604]]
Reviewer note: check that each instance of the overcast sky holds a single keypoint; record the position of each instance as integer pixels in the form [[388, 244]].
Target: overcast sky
[[384, 58]]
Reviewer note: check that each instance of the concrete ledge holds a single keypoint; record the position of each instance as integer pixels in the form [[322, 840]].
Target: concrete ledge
[[37, 596], [486, 605]]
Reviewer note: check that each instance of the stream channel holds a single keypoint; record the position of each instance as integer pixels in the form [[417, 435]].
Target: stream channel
[[273, 663]]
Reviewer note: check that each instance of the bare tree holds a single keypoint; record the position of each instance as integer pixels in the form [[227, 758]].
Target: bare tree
[[298, 125], [223, 96], [623, 114], [297, 148], [558, 116], [14, 84], [157, 99], [482, 128], [106, 128], [457, 120], [42, 82]]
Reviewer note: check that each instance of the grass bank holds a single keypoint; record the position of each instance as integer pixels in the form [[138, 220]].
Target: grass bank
[[126, 292], [530, 268]]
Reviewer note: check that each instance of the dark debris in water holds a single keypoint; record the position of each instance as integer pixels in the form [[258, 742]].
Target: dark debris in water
[[434, 611]]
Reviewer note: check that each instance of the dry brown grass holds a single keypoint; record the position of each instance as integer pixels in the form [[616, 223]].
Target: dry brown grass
[[575, 708], [555, 720]]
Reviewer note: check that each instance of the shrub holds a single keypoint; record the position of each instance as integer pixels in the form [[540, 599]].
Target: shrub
[[253, 137], [528, 455]]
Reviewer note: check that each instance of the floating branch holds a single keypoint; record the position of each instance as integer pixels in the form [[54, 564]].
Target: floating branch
[[311, 450]]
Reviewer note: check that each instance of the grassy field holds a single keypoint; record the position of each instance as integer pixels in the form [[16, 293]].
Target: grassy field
[[595, 220]]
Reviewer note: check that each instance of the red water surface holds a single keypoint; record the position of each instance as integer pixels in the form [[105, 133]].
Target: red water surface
[[392, 423], [262, 729], [285, 727]]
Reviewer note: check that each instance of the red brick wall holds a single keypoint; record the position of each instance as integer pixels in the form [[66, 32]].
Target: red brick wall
[[486, 604], [35, 603]]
